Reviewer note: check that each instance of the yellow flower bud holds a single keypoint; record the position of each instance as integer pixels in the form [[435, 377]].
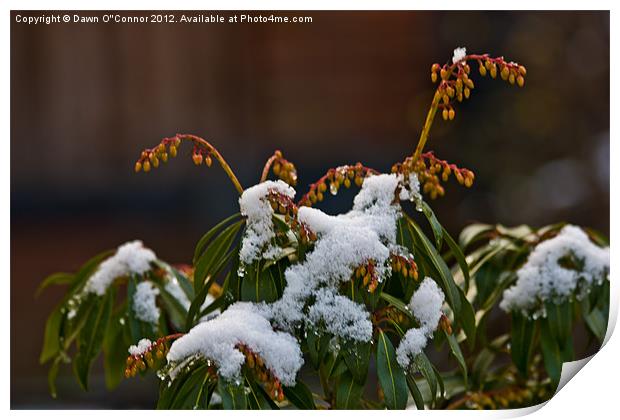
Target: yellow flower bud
[[482, 70], [505, 73], [138, 167], [511, 79], [197, 158], [173, 151], [520, 81], [466, 92], [434, 77], [451, 114], [208, 160], [146, 166], [444, 114]]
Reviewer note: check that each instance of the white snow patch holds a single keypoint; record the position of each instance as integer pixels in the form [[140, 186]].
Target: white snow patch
[[543, 278], [459, 54], [142, 346], [145, 304], [259, 233], [130, 258], [425, 304], [242, 323]]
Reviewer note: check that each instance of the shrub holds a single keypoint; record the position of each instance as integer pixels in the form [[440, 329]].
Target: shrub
[[281, 293]]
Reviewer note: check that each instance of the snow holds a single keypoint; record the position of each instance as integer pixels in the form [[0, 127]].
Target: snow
[[425, 304], [543, 278], [459, 54], [371, 227], [242, 323], [145, 304], [311, 297], [130, 258], [341, 316], [142, 346], [259, 233]]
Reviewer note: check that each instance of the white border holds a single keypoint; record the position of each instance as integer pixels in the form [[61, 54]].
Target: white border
[[594, 391]]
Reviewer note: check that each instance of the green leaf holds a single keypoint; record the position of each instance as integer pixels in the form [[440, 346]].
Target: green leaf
[[458, 255], [258, 285], [206, 238], [467, 319], [356, 355], [521, 342], [391, 375], [456, 351], [233, 396], [438, 230], [188, 394], [445, 276], [349, 392], [597, 324], [91, 337], [215, 255], [472, 233], [426, 369], [300, 396], [114, 351], [52, 374], [51, 338], [552, 356], [257, 397], [560, 319], [55, 279], [415, 392]]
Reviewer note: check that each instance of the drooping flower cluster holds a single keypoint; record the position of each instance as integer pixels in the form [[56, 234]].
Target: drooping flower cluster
[[130, 258], [425, 305], [557, 269]]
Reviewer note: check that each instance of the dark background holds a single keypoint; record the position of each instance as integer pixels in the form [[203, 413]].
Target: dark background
[[85, 99]]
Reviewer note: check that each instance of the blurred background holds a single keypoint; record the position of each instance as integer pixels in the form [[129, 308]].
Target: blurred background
[[348, 87]]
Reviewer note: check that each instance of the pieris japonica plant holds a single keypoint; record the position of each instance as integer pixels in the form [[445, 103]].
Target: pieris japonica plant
[[287, 306]]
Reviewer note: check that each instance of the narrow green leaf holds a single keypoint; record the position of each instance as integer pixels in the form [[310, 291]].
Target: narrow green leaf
[[114, 351], [356, 355], [455, 249], [51, 338], [551, 353], [426, 369], [415, 392], [472, 233], [455, 349], [349, 392], [55, 279], [52, 374], [258, 285], [300, 396], [91, 337], [596, 323], [391, 375], [233, 396], [521, 342], [202, 243], [435, 225]]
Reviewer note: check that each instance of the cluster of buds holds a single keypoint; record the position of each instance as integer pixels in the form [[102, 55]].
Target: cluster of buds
[[432, 171], [404, 265], [281, 168], [368, 274], [501, 398], [284, 205], [336, 177], [160, 153], [149, 358], [445, 324], [264, 375], [201, 155], [455, 83]]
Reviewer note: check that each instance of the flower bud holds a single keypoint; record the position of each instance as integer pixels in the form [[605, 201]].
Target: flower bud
[[146, 166], [138, 167], [482, 70], [433, 77], [466, 92], [522, 71], [444, 114], [505, 73], [520, 81], [197, 158], [451, 114], [173, 151], [208, 160]]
